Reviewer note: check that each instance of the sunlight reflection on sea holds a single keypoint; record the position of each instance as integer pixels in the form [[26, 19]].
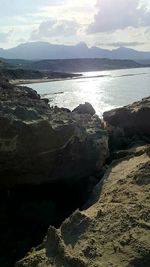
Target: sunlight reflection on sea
[[105, 90]]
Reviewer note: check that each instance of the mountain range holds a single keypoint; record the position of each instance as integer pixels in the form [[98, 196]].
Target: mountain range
[[44, 50]]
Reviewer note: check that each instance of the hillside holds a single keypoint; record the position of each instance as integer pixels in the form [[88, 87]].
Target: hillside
[[113, 227], [15, 70], [44, 50], [74, 65], [113, 232], [5, 64], [10, 72]]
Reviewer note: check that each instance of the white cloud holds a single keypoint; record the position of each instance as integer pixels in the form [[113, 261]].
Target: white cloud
[[12, 8], [120, 44], [67, 22], [82, 11], [119, 14], [5, 36], [105, 22], [55, 28]]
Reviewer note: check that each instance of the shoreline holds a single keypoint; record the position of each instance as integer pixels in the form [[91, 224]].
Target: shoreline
[[30, 81], [80, 76]]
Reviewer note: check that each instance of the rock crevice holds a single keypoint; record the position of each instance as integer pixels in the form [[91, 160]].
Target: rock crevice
[[57, 164], [48, 157]]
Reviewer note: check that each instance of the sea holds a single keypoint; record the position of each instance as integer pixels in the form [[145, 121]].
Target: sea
[[105, 90]]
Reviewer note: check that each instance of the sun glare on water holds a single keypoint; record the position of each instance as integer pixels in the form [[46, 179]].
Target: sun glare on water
[[92, 90]]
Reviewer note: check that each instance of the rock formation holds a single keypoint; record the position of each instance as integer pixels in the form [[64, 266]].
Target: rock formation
[[114, 231], [53, 162], [85, 109], [48, 157], [129, 123], [39, 144]]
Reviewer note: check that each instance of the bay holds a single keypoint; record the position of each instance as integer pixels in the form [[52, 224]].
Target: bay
[[105, 90]]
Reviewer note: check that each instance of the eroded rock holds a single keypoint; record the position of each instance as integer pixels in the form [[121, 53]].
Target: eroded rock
[[39, 144], [85, 109], [129, 123], [114, 231]]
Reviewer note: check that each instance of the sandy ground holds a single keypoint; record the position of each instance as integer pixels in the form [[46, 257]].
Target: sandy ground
[[29, 81], [113, 232]]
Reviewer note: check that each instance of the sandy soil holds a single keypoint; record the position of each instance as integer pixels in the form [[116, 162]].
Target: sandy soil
[[29, 81], [113, 232]]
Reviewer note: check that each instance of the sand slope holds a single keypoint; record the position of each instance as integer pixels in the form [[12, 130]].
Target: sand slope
[[114, 231]]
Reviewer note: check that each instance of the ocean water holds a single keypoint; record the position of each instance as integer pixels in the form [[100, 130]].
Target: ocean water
[[105, 90]]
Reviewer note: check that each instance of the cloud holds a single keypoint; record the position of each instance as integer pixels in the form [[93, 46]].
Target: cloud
[[55, 28], [119, 44], [81, 11], [4, 36], [107, 22], [21, 7], [46, 20], [119, 14]]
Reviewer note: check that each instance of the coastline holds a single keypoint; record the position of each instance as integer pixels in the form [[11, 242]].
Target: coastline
[[42, 188], [76, 76], [45, 80], [29, 81]]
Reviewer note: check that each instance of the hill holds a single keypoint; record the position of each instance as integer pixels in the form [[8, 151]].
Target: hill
[[15, 70], [73, 65], [44, 50]]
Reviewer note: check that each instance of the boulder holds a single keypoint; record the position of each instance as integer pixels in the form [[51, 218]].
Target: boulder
[[85, 109], [133, 119], [129, 123], [41, 144], [114, 231]]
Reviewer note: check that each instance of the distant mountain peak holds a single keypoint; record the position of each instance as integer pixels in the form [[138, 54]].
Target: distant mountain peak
[[82, 44], [33, 44], [45, 50], [123, 48]]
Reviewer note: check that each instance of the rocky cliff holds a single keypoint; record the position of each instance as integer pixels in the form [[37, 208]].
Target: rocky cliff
[[114, 231], [48, 157], [39, 144], [129, 124], [58, 173], [113, 228]]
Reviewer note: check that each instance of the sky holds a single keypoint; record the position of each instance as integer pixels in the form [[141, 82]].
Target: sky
[[103, 23]]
